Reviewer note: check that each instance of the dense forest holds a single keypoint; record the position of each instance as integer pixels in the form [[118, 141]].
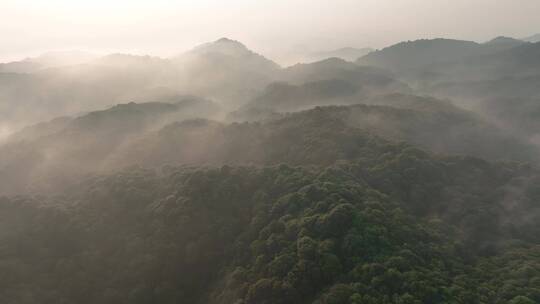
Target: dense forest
[[403, 226], [408, 176]]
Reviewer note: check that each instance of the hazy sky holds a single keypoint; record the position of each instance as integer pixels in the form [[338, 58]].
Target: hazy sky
[[272, 27]]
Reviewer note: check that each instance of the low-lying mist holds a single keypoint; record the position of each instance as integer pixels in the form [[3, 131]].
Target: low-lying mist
[[404, 175], [77, 114]]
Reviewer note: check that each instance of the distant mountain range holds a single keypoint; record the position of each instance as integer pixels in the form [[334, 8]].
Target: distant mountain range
[[47, 60], [346, 53], [224, 70], [412, 56], [219, 177], [180, 131], [499, 78], [534, 38], [253, 86]]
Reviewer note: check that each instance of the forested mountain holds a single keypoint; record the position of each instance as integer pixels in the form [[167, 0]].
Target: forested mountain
[[347, 53], [424, 59], [225, 48], [504, 43], [435, 62], [327, 82], [335, 68], [434, 124], [416, 54], [510, 102], [493, 85], [68, 90], [398, 225], [54, 153], [285, 97], [46, 61], [218, 177], [138, 134], [533, 38], [498, 79], [517, 61], [331, 81], [224, 70]]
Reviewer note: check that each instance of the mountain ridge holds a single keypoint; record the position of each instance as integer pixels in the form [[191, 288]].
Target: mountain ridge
[[534, 38]]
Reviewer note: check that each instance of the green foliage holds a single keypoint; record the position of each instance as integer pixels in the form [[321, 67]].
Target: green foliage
[[405, 227]]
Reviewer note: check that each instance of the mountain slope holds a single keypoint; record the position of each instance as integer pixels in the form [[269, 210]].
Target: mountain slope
[[47, 60], [433, 124], [51, 154], [426, 58], [225, 47], [424, 229], [347, 53], [132, 134], [68, 90], [533, 38], [415, 54], [339, 69], [502, 43], [331, 81], [225, 70], [284, 97]]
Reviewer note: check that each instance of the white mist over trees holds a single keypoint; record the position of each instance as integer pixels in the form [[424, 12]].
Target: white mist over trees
[[216, 175]]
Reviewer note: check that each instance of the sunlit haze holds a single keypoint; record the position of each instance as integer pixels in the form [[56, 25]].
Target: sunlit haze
[[277, 28], [269, 151]]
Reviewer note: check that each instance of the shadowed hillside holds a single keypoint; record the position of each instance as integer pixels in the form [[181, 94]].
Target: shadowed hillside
[[408, 176], [138, 134], [398, 222]]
